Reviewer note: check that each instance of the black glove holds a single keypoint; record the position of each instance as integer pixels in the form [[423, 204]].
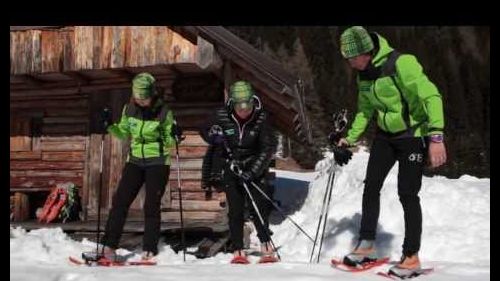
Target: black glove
[[247, 176], [215, 135], [105, 118], [342, 155], [334, 137], [176, 132]]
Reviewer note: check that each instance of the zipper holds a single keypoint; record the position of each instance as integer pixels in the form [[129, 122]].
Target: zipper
[[385, 107], [142, 138], [241, 129]]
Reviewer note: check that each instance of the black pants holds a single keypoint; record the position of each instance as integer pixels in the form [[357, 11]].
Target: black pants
[[133, 177], [237, 200], [410, 153]]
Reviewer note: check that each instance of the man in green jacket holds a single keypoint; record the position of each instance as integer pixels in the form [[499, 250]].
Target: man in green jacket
[[409, 113], [149, 124]]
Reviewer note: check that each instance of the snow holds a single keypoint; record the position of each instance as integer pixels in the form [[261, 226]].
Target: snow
[[455, 239]]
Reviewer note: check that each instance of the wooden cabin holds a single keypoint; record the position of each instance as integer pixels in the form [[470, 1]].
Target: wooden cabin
[[61, 77]]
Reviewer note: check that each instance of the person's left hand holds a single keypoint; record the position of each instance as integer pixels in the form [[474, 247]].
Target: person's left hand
[[437, 154], [176, 132]]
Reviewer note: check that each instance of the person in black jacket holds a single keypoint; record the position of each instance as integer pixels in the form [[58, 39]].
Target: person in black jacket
[[240, 136]]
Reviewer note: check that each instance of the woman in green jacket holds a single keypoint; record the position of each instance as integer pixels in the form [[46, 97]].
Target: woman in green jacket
[[150, 125], [409, 113]]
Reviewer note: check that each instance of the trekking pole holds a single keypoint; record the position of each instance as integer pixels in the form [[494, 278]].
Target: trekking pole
[[280, 210], [105, 119], [322, 211], [183, 245], [326, 214], [261, 219]]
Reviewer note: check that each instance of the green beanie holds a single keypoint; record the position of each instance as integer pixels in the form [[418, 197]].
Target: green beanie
[[242, 94], [143, 86], [355, 41]]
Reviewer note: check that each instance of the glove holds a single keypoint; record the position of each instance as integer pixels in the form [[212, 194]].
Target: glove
[[176, 132], [342, 155], [247, 176], [215, 135], [333, 138], [105, 118]]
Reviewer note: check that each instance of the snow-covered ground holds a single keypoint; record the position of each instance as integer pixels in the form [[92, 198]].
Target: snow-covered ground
[[455, 239]]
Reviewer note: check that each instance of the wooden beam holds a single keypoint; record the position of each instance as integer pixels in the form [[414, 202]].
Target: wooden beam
[[206, 55], [78, 77]]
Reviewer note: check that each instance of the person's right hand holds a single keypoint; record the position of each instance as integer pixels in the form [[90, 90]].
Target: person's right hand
[[343, 142]]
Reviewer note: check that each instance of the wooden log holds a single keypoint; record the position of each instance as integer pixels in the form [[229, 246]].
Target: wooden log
[[187, 164], [187, 185], [65, 129], [69, 156], [174, 216], [199, 196], [63, 138], [185, 175], [190, 151], [43, 165], [66, 120], [59, 112], [63, 146], [190, 205], [47, 173], [25, 155], [76, 103], [30, 182]]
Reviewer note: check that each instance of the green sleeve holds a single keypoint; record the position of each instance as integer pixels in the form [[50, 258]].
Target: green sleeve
[[363, 117], [121, 129], [168, 140], [411, 74]]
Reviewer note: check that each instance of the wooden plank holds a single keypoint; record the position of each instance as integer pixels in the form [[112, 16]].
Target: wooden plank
[[186, 175], [36, 49], [83, 47], [190, 205], [198, 196], [66, 120], [118, 47], [32, 182], [51, 49], [58, 112], [206, 56], [69, 156], [25, 155], [135, 46], [76, 103], [187, 185], [47, 173], [148, 54], [106, 47], [20, 143], [65, 129], [187, 164], [21, 207], [43, 165], [97, 38], [92, 172], [190, 151], [63, 146], [162, 44], [174, 216], [64, 138], [67, 40], [14, 56]]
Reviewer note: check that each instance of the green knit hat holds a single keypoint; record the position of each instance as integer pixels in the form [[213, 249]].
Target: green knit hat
[[143, 86], [355, 41], [242, 94]]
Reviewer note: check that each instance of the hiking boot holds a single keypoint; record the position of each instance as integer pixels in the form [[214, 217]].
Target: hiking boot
[[364, 252], [408, 266]]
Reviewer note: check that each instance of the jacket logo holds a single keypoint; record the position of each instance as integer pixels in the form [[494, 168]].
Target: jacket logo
[[229, 132], [418, 157]]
